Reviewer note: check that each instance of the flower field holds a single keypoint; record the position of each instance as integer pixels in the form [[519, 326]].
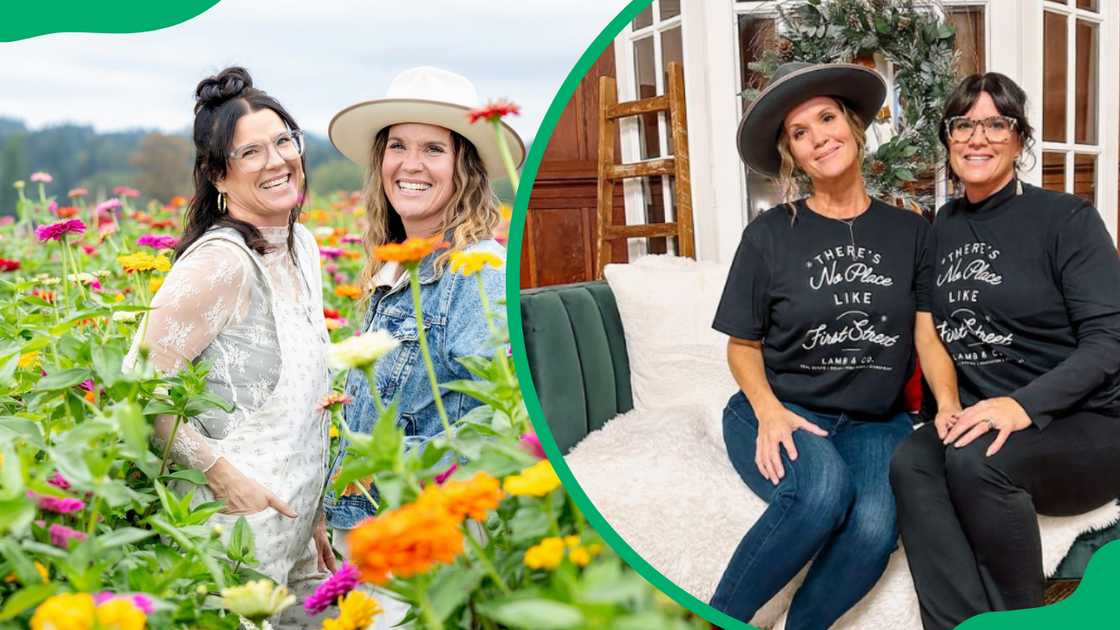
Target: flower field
[[92, 535]]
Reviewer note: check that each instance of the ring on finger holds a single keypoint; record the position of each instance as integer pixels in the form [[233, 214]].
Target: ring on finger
[[991, 423]]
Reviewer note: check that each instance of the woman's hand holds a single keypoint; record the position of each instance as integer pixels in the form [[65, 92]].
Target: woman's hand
[[945, 419], [775, 429], [1001, 414], [323, 549], [241, 494]]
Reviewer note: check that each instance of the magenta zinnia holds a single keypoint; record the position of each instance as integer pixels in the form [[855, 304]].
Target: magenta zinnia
[[157, 241], [58, 481], [61, 535], [58, 505], [330, 590], [55, 231], [142, 601]]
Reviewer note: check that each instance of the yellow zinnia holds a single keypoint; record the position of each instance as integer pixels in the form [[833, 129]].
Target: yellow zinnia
[[536, 480], [355, 612], [470, 263], [143, 261], [154, 284], [545, 555], [120, 614], [257, 600], [68, 611], [31, 359]]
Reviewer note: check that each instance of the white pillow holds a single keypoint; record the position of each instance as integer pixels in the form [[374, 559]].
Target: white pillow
[[667, 304]]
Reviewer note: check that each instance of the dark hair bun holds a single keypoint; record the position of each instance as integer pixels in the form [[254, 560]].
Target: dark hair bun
[[229, 83]]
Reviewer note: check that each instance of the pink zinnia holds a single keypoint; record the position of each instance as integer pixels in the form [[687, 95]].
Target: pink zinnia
[[330, 268], [125, 191], [142, 601], [157, 241], [56, 231], [61, 535], [42, 177], [337, 585], [330, 252], [77, 192], [58, 505], [88, 249], [107, 205], [107, 228], [351, 238], [7, 219], [341, 278], [58, 481], [531, 443], [53, 207]]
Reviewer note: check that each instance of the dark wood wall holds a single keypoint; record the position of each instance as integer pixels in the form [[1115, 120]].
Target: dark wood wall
[[559, 238]]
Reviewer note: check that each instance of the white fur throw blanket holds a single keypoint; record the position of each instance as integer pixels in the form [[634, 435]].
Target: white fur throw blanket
[[662, 479]]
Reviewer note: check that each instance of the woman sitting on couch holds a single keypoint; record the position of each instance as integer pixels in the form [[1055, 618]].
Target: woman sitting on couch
[[824, 307], [1026, 294]]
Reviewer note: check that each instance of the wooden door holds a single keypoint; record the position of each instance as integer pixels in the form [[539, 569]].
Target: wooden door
[[558, 245]]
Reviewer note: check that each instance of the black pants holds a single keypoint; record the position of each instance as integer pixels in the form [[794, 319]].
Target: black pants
[[969, 522]]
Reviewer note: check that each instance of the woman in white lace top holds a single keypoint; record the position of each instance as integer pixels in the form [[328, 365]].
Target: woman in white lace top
[[245, 296]]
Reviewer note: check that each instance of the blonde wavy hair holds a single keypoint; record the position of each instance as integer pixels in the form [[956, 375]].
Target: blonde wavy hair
[[790, 175], [471, 215]]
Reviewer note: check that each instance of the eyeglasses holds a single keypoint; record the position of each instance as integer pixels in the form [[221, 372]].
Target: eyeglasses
[[254, 157], [996, 128]]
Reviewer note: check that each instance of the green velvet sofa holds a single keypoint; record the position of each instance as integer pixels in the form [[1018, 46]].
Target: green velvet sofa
[[576, 349]]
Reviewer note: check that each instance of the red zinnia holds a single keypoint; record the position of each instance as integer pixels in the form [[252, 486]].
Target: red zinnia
[[9, 265], [494, 112]]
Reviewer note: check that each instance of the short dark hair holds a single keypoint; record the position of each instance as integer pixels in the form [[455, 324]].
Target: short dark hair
[[1010, 100], [220, 101]]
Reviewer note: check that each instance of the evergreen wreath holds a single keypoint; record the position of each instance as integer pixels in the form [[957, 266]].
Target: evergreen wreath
[[919, 44]]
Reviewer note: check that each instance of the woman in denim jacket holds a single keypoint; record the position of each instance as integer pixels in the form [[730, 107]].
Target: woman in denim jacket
[[429, 174]]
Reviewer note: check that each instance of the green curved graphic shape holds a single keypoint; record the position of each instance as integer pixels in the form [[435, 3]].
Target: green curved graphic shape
[[1088, 607], [1093, 605], [28, 19]]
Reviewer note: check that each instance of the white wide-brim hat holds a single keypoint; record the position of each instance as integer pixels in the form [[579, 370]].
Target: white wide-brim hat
[[424, 95]]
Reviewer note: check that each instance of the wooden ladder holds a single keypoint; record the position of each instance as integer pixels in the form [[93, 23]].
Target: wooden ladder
[[610, 110]]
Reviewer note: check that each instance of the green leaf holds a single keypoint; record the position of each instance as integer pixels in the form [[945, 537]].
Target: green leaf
[[452, 587], [16, 514], [132, 426], [241, 543], [8, 371], [122, 536], [11, 473], [167, 500], [533, 614], [606, 583], [21, 564], [13, 427], [190, 475], [25, 599], [910, 151], [945, 31], [107, 360], [62, 379], [881, 25], [203, 512], [904, 175], [528, 524]]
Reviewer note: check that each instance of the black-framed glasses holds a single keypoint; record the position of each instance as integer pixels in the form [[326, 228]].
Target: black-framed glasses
[[996, 128], [254, 157]]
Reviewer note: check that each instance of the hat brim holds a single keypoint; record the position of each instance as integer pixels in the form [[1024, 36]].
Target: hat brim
[[861, 88], [353, 129]]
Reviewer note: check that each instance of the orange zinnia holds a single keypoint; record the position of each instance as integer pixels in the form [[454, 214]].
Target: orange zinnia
[[473, 498], [348, 291], [404, 542], [413, 250]]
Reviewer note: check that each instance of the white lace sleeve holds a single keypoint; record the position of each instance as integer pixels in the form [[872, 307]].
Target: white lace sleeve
[[202, 294]]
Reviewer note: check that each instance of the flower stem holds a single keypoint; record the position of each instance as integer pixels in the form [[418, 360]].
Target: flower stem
[[414, 281], [427, 612], [486, 563], [93, 516], [507, 157], [65, 270], [494, 332], [167, 447], [371, 378], [552, 525], [366, 494]]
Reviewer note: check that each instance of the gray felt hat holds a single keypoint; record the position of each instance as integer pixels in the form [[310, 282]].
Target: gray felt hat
[[862, 89]]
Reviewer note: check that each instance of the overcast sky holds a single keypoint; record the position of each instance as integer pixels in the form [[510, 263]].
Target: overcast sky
[[314, 57]]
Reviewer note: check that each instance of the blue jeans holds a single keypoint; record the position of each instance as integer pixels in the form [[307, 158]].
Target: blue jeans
[[834, 503]]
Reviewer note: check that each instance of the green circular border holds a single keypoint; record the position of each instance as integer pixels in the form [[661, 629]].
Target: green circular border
[[517, 336], [1086, 607]]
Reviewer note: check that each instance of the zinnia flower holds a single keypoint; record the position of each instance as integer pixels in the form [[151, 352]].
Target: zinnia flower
[[257, 600], [67, 611], [66, 212], [58, 505], [55, 231], [337, 585], [536, 480], [330, 252], [118, 613], [57, 480], [351, 238], [411, 251], [493, 112], [531, 443], [141, 261], [404, 542], [361, 350], [470, 263], [107, 206], [474, 497], [348, 291], [61, 535], [142, 601], [177, 201], [42, 177], [356, 612], [157, 241], [125, 191], [9, 265], [77, 192], [334, 398], [547, 554]]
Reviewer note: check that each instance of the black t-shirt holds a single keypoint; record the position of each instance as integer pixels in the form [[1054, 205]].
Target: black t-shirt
[[1026, 295], [833, 301]]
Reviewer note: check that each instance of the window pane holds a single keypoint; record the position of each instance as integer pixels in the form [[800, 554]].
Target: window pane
[[969, 22], [671, 51], [643, 19], [654, 194], [1054, 70], [1054, 171], [1085, 177], [1091, 5], [645, 75], [1087, 84], [670, 8]]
